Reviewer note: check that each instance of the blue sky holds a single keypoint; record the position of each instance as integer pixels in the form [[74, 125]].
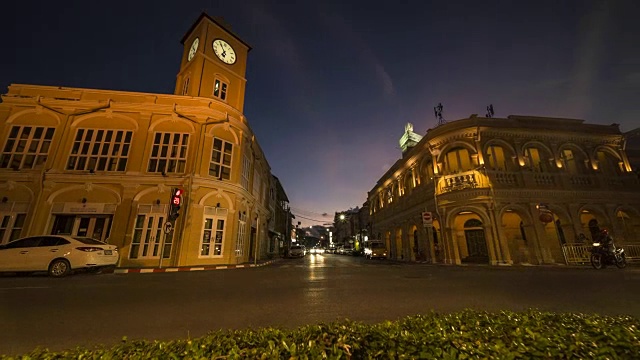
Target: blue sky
[[331, 84]]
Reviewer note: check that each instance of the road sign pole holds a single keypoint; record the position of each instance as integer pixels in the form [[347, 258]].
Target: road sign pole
[[167, 228], [163, 236], [430, 244]]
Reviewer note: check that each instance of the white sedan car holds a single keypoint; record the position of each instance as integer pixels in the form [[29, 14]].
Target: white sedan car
[[296, 251], [56, 254]]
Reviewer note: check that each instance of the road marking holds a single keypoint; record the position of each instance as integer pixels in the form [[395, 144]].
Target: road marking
[[25, 288]]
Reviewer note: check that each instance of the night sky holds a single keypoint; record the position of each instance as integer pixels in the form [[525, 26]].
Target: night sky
[[332, 84]]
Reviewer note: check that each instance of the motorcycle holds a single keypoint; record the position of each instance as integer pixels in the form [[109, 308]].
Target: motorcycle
[[601, 256]]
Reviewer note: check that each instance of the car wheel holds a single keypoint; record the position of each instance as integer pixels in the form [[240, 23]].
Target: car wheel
[[59, 268]]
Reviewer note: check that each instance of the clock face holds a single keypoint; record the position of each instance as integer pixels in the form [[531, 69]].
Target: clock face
[[194, 48], [224, 51]]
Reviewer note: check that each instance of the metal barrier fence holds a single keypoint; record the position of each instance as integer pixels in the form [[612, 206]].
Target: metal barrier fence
[[578, 254]]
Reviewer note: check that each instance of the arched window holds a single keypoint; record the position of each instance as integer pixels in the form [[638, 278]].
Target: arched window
[[496, 159], [608, 164], [522, 233], [560, 232], [428, 172], [536, 159], [458, 160], [573, 161], [472, 223], [594, 228], [408, 181]]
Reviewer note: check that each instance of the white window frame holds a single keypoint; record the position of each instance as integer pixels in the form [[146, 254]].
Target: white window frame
[[242, 234], [185, 86], [8, 226], [246, 170], [220, 89], [169, 157], [225, 160], [92, 151], [154, 217], [214, 214], [19, 147]]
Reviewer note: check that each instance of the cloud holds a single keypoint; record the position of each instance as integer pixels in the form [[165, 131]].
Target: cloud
[[589, 58], [386, 80]]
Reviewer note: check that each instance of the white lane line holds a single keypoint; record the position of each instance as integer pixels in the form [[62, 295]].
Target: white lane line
[[25, 287]]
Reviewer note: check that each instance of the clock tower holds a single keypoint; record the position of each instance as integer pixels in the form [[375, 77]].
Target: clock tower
[[214, 63]]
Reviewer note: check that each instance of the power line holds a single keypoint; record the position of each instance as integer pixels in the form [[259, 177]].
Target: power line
[[306, 218], [309, 213]]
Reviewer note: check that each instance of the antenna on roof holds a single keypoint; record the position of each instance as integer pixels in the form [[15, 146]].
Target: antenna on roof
[[438, 111], [490, 112]]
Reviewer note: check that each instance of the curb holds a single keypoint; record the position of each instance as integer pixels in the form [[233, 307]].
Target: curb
[[188, 268]]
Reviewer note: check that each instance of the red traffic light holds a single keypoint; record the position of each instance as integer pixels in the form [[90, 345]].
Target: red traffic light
[[176, 198]]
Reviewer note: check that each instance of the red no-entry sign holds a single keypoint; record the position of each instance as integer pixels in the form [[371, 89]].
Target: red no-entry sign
[[427, 219]]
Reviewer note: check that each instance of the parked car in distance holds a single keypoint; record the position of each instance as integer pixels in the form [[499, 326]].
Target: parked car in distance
[[347, 250], [317, 250], [296, 251], [56, 254], [331, 250], [375, 250]]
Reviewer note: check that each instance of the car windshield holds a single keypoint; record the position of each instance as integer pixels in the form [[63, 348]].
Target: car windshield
[[296, 247], [89, 241], [376, 245]]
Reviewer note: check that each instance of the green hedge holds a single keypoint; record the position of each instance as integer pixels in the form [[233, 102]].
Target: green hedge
[[463, 335]]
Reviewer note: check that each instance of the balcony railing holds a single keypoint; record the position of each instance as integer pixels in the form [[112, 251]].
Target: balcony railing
[[501, 179], [579, 254], [461, 181]]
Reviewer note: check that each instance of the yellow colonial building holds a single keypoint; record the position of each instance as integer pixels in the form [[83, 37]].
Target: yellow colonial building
[[102, 163], [505, 191]]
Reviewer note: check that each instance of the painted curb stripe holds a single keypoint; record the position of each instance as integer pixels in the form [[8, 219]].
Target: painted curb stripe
[[197, 268]]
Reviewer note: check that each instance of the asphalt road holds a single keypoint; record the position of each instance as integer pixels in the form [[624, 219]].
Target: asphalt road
[[86, 310]]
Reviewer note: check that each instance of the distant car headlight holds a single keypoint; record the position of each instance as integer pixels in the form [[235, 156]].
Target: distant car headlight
[[596, 244]]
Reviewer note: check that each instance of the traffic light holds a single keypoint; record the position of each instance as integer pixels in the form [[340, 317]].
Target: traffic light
[[176, 201]]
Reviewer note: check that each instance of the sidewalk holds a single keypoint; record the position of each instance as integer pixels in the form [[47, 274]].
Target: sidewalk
[[190, 268]]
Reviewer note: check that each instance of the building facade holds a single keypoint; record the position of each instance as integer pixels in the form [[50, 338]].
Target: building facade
[[281, 221], [348, 226], [505, 191], [632, 149], [103, 164]]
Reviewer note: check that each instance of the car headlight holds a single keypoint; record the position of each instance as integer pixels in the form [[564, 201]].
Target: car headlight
[[596, 244]]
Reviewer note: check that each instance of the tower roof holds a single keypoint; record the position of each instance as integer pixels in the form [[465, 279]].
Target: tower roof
[[218, 22]]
